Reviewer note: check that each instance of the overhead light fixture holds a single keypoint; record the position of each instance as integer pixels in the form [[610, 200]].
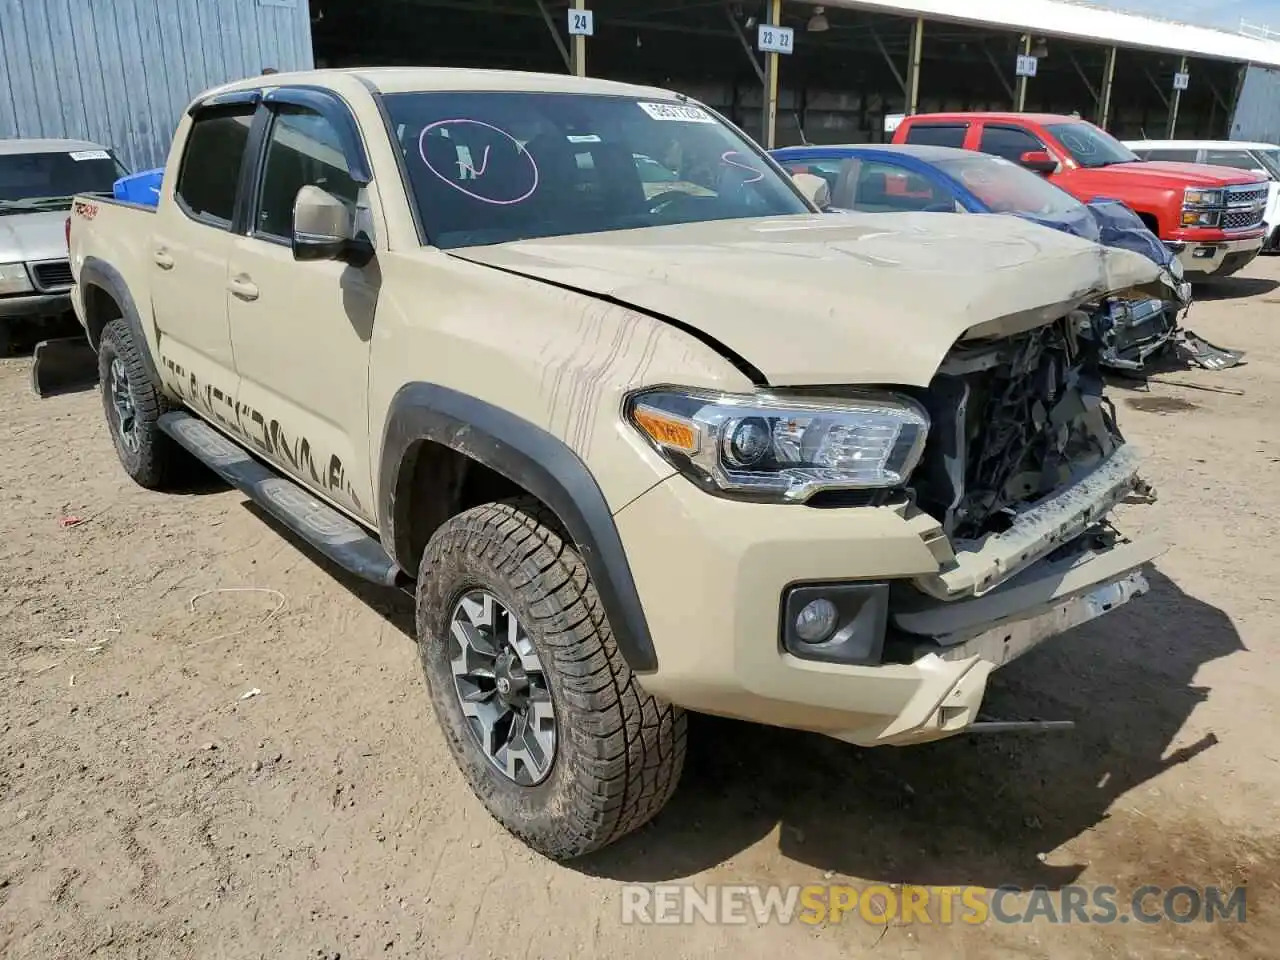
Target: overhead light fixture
[[818, 23], [1041, 49]]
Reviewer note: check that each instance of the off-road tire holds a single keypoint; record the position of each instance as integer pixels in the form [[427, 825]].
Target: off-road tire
[[158, 463], [619, 751]]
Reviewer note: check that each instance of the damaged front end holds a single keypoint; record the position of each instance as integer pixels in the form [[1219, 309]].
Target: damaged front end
[[1134, 328], [1024, 464]]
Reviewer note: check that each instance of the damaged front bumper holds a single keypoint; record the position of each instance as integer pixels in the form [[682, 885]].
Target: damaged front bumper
[[975, 567]]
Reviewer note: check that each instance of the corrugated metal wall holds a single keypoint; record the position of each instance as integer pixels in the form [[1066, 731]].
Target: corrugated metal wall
[[120, 72], [1257, 115]]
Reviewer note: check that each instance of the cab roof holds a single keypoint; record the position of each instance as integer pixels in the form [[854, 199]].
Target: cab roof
[[10, 147], [1017, 118], [434, 79], [1202, 144], [920, 151]]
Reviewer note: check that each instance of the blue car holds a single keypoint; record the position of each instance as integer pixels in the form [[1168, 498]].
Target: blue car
[[892, 178]]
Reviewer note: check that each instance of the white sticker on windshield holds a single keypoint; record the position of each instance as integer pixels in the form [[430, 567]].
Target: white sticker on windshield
[[583, 138], [90, 155], [684, 113]]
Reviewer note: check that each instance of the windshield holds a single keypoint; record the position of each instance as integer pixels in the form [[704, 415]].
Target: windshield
[[1090, 146], [1006, 187], [1270, 160], [493, 167], [48, 181]]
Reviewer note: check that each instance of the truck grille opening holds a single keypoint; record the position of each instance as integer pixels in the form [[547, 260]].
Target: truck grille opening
[[1012, 421], [1241, 220], [55, 275]]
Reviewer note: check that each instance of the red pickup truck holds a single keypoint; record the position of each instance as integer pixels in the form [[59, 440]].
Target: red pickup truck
[[1211, 217]]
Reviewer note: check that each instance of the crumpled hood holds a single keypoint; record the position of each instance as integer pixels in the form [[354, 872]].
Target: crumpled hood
[[837, 299], [33, 236]]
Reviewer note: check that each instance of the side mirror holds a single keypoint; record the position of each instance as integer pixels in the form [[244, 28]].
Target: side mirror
[[323, 226], [1038, 161], [815, 188]]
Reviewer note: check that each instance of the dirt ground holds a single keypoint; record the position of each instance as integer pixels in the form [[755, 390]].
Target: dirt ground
[[151, 808]]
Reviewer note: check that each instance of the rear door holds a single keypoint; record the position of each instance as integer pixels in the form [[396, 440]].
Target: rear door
[[301, 331], [188, 257]]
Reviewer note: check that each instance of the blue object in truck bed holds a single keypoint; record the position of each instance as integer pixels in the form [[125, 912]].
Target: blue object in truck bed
[[141, 188]]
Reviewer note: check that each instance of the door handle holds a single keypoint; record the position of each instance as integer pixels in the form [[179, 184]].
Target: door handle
[[243, 288], [163, 260]]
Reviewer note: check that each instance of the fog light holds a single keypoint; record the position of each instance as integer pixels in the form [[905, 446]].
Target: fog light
[[816, 621]]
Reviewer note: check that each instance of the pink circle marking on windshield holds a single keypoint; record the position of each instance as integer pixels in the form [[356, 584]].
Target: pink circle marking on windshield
[[478, 172]]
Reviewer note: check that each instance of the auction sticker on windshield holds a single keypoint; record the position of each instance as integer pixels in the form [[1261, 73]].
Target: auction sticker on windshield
[[677, 111], [90, 155]]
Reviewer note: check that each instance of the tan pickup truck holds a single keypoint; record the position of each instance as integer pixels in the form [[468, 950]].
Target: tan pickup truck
[[703, 448]]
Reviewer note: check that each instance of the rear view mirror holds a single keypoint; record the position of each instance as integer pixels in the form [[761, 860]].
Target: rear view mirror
[[1038, 161], [815, 188], [323, 226]]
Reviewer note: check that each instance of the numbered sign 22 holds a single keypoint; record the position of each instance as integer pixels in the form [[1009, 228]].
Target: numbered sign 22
[[771, 39], [581, 23], [1027, 65]]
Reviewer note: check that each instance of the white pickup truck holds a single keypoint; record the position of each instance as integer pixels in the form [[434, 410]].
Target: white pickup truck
[[640, 449]]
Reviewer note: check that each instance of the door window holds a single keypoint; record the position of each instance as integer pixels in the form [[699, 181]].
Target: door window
[[1179, 156], [1008, 142], [829, 169], [303, 150], [884, 188], [210, 173], [938, 134]]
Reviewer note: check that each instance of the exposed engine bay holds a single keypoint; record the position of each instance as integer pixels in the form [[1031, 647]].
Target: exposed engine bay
[[1012, 421]]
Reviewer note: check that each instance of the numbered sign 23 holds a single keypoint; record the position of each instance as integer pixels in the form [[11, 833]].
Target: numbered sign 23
[[581, 23], [773, 39]]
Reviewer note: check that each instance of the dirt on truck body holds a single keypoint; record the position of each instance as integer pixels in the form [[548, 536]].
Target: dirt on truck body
[[640, 451]]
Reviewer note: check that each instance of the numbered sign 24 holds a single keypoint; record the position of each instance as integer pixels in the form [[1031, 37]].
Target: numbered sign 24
[[1026, 65], [771, 39], [581, 23]]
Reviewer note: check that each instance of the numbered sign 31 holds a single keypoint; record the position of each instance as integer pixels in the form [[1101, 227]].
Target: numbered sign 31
[[773, 39], [1027, 65], [1181, 81], [581, 23]]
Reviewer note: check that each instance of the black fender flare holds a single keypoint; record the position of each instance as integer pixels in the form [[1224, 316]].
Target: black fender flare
[[537, 461], [98, 273]]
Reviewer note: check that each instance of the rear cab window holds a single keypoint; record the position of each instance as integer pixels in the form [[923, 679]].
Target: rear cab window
[[209, 177], [938, 134]]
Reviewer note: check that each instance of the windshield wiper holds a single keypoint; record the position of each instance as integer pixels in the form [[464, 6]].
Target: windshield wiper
[[32, 203]]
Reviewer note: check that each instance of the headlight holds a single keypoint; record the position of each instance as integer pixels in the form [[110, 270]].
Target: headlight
[[783, 448], [14, 279], [1200, 218], [1202, 198]]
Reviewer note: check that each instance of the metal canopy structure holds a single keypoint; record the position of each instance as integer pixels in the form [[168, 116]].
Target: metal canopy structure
[[855, 64]]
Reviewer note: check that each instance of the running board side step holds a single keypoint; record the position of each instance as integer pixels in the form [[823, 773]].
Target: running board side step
[[338, 538]]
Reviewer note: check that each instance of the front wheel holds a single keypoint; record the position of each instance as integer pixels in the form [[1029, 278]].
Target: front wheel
[[540, 711]]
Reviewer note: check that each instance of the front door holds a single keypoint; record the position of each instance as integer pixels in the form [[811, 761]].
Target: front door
[[301, 330], [188, 254]]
